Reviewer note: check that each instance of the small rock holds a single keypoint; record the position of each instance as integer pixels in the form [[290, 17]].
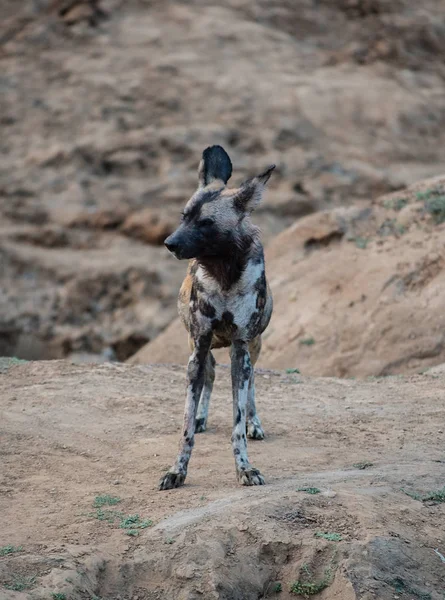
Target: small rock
[[185, 572], [329, 494]]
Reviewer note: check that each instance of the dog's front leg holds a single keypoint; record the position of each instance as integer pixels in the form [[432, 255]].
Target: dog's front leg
[[241, 373], [175, 477]]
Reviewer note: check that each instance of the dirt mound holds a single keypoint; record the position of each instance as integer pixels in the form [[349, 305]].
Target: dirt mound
[[357, 291], [107, 106], [351, 507]]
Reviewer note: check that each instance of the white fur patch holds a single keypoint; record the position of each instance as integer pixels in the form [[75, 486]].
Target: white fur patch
[[240, 300]]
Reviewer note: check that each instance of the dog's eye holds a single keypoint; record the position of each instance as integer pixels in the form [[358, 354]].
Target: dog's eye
[[206, 222]]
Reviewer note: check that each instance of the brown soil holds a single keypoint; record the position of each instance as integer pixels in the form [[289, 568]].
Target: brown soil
[[105, 113], [105, 108], [71, 433]]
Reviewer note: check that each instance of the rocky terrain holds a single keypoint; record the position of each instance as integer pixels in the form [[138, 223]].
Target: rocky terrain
[[352, 507], [106, 107]]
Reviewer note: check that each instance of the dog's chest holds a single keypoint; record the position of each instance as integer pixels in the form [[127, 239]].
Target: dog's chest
[[231, 313]]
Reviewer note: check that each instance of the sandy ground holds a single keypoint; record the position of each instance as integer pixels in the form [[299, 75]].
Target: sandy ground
[[70, 433], [102, 131]]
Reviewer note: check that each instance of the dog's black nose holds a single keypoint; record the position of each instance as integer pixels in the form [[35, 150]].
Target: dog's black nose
[[171, 245]]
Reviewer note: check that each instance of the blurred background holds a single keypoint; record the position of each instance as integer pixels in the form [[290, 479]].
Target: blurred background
[[105, 108]]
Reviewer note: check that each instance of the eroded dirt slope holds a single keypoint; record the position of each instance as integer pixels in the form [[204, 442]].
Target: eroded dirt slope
[[357, 291], [103, 127], [70, 433]]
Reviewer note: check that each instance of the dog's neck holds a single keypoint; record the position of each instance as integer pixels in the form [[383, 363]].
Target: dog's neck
[[227, 270]]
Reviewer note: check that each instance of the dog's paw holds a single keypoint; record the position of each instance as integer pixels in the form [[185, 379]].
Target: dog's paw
[[254, 430], [171, 481], [250, 476], [200, 425]]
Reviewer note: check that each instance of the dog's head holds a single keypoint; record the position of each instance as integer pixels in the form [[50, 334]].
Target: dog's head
[[214, 219]]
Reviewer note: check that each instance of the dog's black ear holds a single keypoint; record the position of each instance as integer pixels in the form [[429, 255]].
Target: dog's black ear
[[249, 194], [215, 164]]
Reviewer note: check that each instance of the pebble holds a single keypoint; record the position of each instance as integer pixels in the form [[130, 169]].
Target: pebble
[[329, 494]]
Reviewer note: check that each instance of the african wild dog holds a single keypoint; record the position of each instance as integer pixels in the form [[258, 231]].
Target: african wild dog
[[224, 301]]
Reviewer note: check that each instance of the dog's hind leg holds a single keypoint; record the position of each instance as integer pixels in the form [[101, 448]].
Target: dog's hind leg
[[254, 428], [203, 407]]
